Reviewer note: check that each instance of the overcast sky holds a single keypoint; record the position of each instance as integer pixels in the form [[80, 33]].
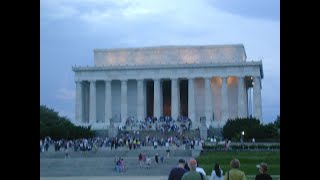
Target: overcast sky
[[71, 29]]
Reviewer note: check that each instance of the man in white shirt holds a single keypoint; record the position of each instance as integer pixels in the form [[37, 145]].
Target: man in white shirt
[[200, 170]]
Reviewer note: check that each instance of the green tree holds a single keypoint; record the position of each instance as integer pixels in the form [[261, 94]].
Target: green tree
[[252, 128], [234, 127], [57, 127], [277, 122]]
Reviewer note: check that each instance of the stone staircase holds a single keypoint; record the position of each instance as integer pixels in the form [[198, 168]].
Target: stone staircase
[[153, 133], [103, 166], [121, 152], [101, 162]]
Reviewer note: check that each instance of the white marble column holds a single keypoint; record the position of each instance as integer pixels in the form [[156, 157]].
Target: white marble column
[[174, 99], [145, 99], [140, 100], [161, 98], [257, 107], [178, 96], [191, 112], [208, 100], [108, 102], [79, 102], [92, 107], [246, 111], [156, 96], [124, 103], [86, 103], [224, 100], [241, 97]]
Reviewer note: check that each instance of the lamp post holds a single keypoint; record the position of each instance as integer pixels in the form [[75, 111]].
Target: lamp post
[[242, 134]]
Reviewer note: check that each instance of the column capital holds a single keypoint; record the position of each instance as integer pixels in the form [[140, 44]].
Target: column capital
[[141, 79], [123, 80], [156, 79], [207, 77], [191, 78], [224, 78], [107, 80], [92, 80]]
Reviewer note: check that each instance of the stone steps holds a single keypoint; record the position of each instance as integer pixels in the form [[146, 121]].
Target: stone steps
[[117, 153], [154, 133], [102, 166]]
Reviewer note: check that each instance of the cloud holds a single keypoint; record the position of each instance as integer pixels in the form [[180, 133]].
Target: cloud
[[265, 9], [70, 30], [65, 94], [94, 11], [70, 115]]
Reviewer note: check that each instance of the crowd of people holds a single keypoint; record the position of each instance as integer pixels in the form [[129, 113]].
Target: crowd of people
[[192, 171], [120, 165], [145, 160], [164, 124], [184, 170], [125, 141]]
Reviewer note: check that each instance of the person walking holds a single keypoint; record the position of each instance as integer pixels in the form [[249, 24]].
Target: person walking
[[176, 173], [200, 170], [193, 174], [156, 158], [140, 160], [216, 173], [263, 167], [234, 173]]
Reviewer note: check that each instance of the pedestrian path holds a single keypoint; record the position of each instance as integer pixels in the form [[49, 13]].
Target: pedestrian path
[[99, 166], [107, 178]]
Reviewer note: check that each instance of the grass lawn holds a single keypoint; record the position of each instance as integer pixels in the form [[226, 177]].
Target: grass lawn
[[248, 161]]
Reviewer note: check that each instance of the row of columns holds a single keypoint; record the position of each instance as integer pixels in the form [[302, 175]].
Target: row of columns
[[175, 96]]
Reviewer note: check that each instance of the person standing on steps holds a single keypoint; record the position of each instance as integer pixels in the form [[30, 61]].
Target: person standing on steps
[[156, 158], [162, 158]]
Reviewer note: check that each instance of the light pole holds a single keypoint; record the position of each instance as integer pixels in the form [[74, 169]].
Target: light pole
[[242, 134]]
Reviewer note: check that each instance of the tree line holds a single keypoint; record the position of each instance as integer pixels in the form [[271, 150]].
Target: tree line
[[58, 127], [252, 128]]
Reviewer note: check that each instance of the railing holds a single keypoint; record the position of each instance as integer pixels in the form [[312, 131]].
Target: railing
[[243, 147]]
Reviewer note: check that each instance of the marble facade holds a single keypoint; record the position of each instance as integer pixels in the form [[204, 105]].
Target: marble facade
[[218, 78]]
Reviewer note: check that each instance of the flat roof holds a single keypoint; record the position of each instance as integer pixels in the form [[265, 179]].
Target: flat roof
[[171, 54]]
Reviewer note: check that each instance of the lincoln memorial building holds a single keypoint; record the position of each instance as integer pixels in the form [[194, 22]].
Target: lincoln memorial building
[[211, 81]]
